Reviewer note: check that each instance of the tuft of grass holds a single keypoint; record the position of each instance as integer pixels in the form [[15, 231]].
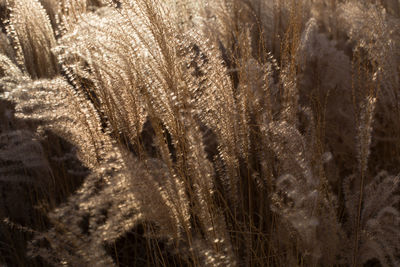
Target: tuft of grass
[[199, 133]]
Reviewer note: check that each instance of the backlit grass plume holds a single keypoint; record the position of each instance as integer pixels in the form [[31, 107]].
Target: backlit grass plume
[[208, 133]]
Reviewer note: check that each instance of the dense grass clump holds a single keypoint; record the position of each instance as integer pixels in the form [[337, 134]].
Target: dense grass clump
[[200, 133]]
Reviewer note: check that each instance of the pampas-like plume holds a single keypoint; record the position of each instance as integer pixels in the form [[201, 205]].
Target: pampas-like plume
[[202, 134], [69, 115], [32, 37], [379, 219], [296, 198]]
